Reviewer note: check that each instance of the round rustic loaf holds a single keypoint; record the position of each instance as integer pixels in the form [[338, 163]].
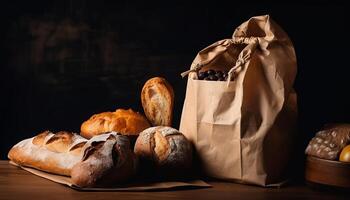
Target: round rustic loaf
[[163, 149]]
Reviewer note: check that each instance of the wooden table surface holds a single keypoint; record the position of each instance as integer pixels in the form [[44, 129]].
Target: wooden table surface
[[16, 183]]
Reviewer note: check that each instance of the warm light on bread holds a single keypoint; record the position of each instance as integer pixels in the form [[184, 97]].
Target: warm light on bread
[[157, 98], [126, 122]]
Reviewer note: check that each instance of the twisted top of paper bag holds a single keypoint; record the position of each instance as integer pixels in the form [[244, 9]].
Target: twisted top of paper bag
[[194, 69], [244, 40], [243, 57]]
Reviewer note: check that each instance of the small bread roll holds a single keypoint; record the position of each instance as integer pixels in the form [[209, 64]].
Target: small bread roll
[[164, 149], [157, 99], [126, 122]]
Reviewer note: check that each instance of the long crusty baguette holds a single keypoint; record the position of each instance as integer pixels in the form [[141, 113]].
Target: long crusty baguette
[[55, 153], [157, 97], [100, 161]]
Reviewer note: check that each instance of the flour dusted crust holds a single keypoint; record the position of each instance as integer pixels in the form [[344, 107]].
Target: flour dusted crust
[[108, 159], [103, 160], [157, 97], [126, 122], [329, 142], [164, 147], [55, 153]]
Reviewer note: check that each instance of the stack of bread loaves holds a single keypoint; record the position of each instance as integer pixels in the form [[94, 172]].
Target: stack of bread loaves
[[102, 155]]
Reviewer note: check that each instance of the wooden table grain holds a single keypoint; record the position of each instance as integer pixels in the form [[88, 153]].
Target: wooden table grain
[[17, 184]]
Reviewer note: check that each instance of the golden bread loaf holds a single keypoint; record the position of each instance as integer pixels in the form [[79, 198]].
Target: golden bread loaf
[[126, 122], [157, 97]]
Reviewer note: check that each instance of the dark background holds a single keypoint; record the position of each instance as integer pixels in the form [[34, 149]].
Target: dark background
[[63, 61]]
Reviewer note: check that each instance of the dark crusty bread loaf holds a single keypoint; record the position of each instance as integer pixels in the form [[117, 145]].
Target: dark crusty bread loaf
[[329, 142], [126, 122], [108, 159], [164, 149], [157, 97], [102, 160]]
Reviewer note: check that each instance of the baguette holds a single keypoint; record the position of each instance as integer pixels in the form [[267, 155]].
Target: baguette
[[157, 97], [100, 161], [54, 153]]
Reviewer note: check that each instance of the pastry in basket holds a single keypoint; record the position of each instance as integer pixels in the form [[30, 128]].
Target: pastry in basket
[[330, 142], [103, 160], [126, 122]]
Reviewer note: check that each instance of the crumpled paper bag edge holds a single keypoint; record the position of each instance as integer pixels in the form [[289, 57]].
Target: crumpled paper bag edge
[[168, 185]]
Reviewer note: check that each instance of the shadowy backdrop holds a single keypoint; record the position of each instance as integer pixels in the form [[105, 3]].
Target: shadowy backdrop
[[65, 60]]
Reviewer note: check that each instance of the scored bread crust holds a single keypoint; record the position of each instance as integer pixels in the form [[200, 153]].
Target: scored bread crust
[[54, 153], [126, 122], [157, 97], [103, 160], [164, 147], [108, 159]]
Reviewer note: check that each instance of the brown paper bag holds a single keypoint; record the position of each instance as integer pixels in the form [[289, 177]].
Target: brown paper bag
[[243, 129]]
